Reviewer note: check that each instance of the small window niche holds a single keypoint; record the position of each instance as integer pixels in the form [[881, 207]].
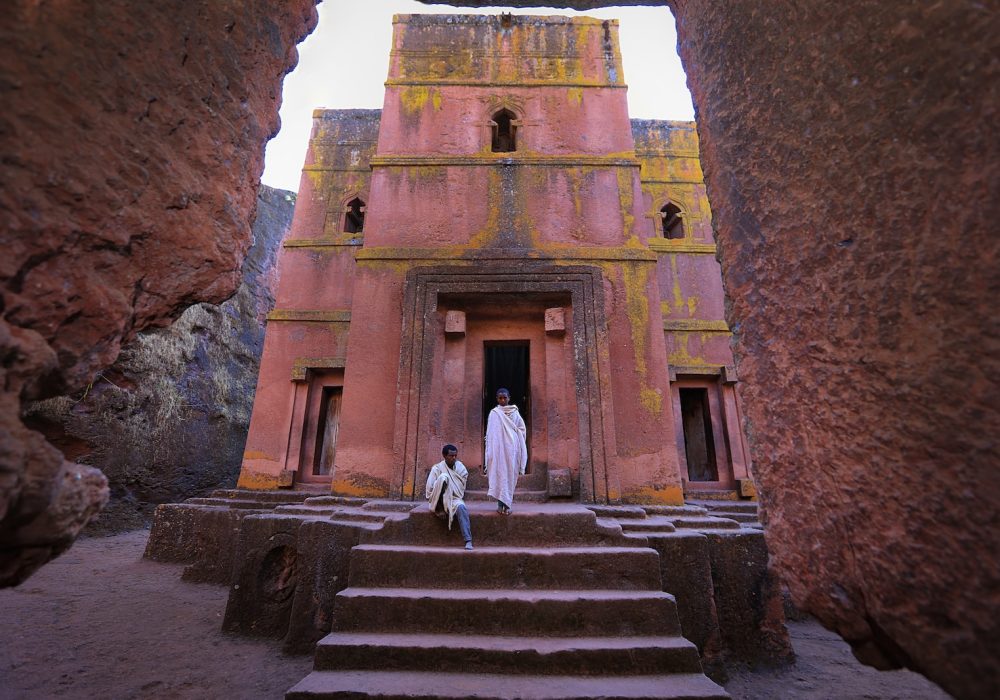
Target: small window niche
[[504, 132], [354, 216], [672, 221]]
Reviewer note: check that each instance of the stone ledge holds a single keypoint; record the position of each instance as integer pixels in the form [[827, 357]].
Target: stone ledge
[[310, 315]]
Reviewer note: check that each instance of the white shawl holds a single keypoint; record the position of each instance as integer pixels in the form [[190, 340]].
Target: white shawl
[[506, 451], [452, 481]]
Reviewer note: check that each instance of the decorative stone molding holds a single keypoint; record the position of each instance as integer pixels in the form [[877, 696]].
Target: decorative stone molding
[[302, 365]]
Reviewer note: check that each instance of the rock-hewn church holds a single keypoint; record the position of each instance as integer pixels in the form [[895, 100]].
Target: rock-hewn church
[[500, 222]]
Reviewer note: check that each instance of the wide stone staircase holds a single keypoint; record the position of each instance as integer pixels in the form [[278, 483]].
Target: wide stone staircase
[[551, 603]]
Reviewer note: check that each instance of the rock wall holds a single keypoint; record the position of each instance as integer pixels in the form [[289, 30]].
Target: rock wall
[[133, 138], [168, 420], [852, 157], [853, 167]]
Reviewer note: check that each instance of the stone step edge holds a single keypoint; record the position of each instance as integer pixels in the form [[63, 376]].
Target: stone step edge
[[409, 684], [457, 549], [531, 595], [502, 643]]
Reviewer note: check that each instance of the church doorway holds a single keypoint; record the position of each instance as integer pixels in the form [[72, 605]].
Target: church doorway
[[506, 365], [699, 442]]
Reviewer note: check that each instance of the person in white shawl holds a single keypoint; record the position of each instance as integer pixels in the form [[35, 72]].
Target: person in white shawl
[[506, 451], [446, 488]]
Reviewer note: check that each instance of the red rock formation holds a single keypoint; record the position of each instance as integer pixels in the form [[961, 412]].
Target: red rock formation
[[133, 137], [854, 173], [853, 163], [168, 420]]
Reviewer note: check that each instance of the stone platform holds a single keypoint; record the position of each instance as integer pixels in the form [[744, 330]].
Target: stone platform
[[556, 600]]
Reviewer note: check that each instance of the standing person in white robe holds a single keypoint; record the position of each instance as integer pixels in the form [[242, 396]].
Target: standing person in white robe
[[506, 451], [446, 489]]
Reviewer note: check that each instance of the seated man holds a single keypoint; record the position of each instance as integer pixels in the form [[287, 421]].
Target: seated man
[[445, 489]]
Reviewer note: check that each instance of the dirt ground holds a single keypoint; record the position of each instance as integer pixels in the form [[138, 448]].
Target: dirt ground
[[100, 622]]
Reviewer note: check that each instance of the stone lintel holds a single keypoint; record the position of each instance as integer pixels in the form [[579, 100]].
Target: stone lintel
[[302, 365], [694, 370]]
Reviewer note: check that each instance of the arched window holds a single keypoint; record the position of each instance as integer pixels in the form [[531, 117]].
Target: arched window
[[504, 132], [673, 221], [354, 217]]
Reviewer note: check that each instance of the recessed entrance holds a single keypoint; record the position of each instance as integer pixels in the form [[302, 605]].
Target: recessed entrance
[[699, 443], [327, 429], [506, 365]]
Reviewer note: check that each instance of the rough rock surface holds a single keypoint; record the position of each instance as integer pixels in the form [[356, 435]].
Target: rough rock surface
[[853, 169], [169, 419], [133, 138], [852, 157]]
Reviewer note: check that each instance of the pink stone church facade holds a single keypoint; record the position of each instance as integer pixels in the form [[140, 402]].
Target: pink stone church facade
[[500, 222]]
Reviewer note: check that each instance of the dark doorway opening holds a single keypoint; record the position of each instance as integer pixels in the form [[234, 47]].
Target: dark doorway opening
[[506, 366], [699, 443], [326, 430]]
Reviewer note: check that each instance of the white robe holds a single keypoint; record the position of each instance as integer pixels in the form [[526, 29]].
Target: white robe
[[506, 451], [452, 482]]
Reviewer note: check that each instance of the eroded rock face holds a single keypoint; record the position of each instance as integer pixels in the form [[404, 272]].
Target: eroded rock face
[[133, 137], [169, 419], [853, 162]]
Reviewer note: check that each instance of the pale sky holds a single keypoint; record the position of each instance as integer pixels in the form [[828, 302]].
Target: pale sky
[[343, 64]]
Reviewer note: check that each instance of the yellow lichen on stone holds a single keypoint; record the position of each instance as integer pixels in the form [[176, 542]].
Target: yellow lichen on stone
[[575, 95], [634, 281], [414, 98], [343, 487], [262, 481], [667, 496]]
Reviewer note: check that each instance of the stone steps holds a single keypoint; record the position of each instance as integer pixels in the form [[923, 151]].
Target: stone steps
[[338, 512], [738, 517], [706, 523], [558, 613], [393, 685], [520, 496], [653, 524], [335, 501], [551, 603], [559, 527], [669, 511], [583, 656], [731, 506], [618, 512], [512, 568], [260, 496]]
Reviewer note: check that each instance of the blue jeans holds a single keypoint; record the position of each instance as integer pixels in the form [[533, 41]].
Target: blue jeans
[[462, 514]]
